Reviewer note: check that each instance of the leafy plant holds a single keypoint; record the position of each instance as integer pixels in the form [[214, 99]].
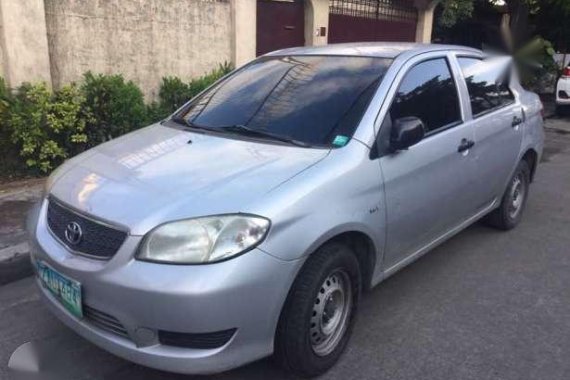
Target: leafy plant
[[40, 128], [117, 107], [45, 126], [200, 84], [455, 11], [174, 92], [10, 163], [5, 97], [535, 63]]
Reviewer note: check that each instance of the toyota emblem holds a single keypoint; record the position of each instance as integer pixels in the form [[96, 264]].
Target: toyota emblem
[[73, 233]]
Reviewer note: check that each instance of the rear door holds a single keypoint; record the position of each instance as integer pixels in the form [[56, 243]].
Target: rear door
[[497, 120], [427, 187]]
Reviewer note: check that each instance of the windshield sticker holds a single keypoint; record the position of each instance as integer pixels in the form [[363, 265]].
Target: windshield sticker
[[340, 140]]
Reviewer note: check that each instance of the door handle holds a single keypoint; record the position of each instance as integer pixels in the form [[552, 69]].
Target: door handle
[[465, 145], [516, 121]]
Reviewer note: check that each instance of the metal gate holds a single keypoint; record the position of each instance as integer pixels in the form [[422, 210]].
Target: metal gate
[[372, 20], [280, 24]]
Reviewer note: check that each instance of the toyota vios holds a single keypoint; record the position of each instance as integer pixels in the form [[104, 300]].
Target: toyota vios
[[248, 223]]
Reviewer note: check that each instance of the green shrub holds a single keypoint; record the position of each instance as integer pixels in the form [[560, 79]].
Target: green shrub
[[172, 95], [46, 127], [117, 107], [10, 163], [5, 98], [40, 128], [536, 65], [174, 92], [199, 84]]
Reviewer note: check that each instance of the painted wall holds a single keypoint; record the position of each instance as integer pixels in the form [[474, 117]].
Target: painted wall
[[142, 39], [56, 41], [244, 31], [23, 42]]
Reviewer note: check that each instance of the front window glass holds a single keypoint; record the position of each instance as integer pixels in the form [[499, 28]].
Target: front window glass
[[313, 99], [428, 92]]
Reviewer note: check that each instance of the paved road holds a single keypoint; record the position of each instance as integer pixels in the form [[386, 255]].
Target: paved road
[[16, 198], [485, 305]]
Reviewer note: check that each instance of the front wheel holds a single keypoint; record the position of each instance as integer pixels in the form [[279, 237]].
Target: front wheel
[[509, 214], [316, 321]]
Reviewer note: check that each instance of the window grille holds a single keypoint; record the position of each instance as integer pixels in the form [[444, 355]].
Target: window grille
[[392, 10]]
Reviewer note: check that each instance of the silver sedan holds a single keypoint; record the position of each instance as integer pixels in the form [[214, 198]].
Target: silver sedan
[[249, 222]]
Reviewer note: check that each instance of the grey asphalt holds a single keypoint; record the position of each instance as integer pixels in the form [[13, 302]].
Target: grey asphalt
[[484, 305], [16, 198]]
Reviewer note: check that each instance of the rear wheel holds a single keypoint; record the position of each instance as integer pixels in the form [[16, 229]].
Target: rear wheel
[[317, 318], [509, 214]]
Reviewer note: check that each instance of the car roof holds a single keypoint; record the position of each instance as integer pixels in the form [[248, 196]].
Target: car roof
[[370, 49]]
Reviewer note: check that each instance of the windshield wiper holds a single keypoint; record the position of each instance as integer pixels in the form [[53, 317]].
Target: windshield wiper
[[187, 123], [245, 130], [240, 129]]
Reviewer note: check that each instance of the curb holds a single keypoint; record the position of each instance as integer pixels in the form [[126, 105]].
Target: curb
[[16, 267], [13, 251]]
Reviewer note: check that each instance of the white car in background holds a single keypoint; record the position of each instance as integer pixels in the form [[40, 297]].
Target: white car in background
[[563, 90]]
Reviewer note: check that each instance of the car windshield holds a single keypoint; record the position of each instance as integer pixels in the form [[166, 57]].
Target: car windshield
[[316, 100]]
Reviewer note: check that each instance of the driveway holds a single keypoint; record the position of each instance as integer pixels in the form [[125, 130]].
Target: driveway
[[484, 305]]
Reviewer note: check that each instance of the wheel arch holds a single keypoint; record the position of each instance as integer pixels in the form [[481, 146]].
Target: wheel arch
[[531, 157], [361, 244]]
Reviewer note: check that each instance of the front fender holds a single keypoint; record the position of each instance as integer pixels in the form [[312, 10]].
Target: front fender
[[342, 193]]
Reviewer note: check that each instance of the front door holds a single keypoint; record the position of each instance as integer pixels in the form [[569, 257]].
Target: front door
[[280, 24], [427, 187]]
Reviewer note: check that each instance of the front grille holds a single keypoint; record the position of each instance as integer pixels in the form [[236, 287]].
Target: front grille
[[104, 321], [196, 340], [97, 240]]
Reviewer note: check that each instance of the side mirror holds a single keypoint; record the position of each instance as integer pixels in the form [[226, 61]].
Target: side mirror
[[406, 131]]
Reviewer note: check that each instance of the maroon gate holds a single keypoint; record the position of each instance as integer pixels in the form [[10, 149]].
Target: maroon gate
[[372, 20], [280, 24]]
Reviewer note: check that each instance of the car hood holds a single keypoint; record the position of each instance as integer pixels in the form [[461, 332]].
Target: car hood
[[159, 174]]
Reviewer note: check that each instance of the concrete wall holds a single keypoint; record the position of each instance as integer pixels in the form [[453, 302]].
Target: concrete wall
[[316, 16], [244, 15], [142, 39], [56, 41], [424, 27], [23, 42]]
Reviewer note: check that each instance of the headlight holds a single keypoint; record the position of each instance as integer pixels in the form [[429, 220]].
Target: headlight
[[203, 240]]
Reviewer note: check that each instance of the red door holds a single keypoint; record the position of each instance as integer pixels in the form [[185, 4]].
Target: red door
[[280, 24], [372, 20]]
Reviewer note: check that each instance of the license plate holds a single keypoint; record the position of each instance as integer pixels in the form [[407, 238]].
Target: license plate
[[66, 290]]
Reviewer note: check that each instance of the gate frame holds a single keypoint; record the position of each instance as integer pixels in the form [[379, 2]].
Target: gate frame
[[243, 38]]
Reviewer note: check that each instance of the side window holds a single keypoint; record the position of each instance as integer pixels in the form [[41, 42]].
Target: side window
[[488, 85], [428, 92]]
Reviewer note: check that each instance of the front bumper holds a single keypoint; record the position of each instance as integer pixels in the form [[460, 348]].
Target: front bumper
[[245, 293]]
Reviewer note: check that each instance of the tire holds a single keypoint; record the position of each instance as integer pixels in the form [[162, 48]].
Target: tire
[[309, 340], [509, 213]]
